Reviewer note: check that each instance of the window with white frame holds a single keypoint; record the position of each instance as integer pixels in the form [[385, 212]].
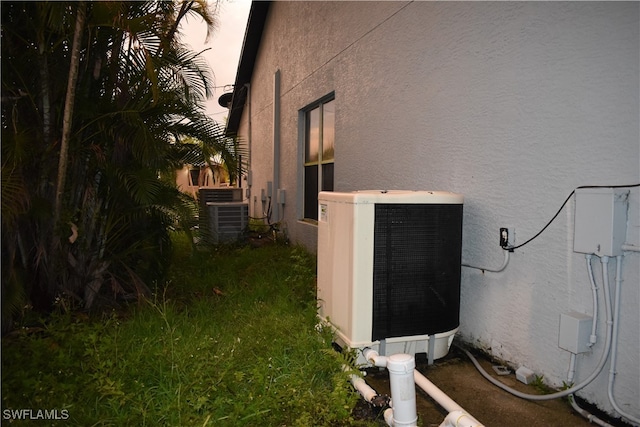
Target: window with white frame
[[319, 144]]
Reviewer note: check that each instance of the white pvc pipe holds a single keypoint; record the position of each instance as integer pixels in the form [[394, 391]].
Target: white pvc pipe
[[361, 386], [457, 415], [401, 369], [460, 419], [630, 248], [367, 393], [614, 348], [388, 416], [403, 378], [374, 358], [436, 394]]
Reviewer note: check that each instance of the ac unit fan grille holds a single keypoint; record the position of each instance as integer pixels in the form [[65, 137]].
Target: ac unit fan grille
[[416, 274], [220, 195], [225, 222], [231, 217]]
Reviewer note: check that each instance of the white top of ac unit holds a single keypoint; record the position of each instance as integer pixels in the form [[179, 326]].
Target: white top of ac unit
[[392, 196]]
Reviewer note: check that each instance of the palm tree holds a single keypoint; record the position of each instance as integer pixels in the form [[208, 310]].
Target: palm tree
[[138, 92]]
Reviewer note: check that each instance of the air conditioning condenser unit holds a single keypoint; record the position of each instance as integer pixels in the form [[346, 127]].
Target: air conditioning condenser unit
[[226, 222], [389, 268]]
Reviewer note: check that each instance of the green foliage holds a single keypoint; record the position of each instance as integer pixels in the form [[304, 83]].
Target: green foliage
[[140, 91], [230, 340], [258, 226], [539, 384]]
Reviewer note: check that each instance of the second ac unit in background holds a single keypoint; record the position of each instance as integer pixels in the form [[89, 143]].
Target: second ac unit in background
[[226, 222], [223, 215]]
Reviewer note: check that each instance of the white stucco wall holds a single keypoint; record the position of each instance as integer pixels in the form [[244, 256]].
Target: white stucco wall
[[513, 105]]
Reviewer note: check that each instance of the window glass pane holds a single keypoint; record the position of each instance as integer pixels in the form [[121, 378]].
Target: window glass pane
[[195, 174], [311, 192], [327, 177], [312, 135], [328, 130]]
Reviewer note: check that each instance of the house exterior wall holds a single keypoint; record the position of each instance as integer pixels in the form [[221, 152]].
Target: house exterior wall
[[513, 105]]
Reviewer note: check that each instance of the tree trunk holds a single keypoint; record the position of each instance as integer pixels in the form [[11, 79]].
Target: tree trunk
[[68, 110], [46, 103]]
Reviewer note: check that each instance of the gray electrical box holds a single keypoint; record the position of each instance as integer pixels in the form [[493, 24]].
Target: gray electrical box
[[575, 330], [600, 221]]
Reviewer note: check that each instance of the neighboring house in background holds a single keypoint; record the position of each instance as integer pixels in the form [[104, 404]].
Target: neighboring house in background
[[511, 104], [197, 174]]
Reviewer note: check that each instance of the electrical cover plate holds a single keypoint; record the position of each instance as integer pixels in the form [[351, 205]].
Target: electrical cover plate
[[501, 370], [600, 225]]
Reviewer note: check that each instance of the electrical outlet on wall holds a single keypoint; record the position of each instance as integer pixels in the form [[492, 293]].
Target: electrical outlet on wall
[[507, 237]]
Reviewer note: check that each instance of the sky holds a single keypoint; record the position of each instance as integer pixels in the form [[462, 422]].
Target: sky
[[224, 46]]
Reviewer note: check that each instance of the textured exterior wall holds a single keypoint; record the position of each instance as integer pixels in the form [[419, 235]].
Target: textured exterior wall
[[513, 105]]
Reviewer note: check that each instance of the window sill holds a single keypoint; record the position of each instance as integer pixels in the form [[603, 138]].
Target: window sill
[[306, 221]]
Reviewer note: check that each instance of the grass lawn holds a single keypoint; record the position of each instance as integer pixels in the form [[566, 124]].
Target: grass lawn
[[229, 340]]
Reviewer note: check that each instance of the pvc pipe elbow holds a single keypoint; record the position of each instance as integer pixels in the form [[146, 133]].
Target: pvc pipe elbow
[[460, 419], [388, 416], [374, 358], [392, 421]]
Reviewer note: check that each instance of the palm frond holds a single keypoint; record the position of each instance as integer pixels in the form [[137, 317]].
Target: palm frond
[[140, 92], [15, 195]]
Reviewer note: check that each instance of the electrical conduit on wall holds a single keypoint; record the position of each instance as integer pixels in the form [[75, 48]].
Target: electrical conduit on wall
[[592, 340], [612, 312], [492, 270], [571, 390], [614, 348], [612, 321]]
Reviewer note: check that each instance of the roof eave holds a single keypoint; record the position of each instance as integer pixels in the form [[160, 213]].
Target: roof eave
[[250, 46]]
